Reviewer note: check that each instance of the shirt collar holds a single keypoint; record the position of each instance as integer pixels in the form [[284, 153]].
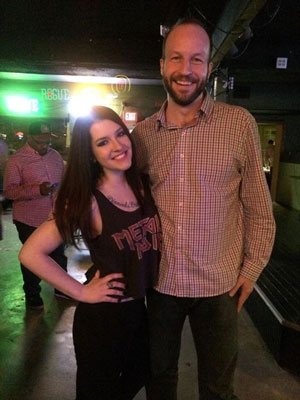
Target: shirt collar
[[205, 109]]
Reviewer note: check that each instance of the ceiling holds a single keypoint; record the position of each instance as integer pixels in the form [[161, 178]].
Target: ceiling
[[88, 36]]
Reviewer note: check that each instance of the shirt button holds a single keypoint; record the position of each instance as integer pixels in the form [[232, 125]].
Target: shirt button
[[181, 155], [179, 228], [181, 179], [181, 204]]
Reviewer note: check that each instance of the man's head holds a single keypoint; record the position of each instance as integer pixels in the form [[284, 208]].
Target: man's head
[[185, 64], [39, 137]]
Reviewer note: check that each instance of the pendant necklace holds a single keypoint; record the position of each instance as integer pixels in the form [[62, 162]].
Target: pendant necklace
[[127, 204]]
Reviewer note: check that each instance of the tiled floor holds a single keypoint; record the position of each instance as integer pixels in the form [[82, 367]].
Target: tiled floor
[[36, 351]]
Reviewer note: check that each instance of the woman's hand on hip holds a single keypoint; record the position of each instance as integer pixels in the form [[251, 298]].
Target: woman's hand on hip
[[103, 289]]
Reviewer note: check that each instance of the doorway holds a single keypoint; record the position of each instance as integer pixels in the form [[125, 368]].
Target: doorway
[[271, 138]]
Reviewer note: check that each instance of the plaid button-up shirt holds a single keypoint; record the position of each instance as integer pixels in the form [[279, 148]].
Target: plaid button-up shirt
[[24, 173], [215, 208]]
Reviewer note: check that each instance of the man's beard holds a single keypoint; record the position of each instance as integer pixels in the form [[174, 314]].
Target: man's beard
[[185, 100]]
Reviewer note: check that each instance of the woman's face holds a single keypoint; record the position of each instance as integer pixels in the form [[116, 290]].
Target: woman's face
[[111, 146]]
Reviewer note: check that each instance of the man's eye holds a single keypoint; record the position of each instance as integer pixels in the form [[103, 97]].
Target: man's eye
[[197, 60]]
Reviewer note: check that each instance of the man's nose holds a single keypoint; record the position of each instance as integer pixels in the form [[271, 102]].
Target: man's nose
[[185, 67]]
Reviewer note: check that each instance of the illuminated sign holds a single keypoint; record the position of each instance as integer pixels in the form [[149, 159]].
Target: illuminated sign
[[51, 99], [131, 116], [55, 94], [21, 104], [122, 86]]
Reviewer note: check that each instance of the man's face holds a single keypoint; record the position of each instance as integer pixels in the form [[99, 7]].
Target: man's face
[[40, 143], [186, 68]]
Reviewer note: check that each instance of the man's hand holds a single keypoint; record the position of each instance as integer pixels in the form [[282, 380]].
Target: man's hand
[[244, 286]]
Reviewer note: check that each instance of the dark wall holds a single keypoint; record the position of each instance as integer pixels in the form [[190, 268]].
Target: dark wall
[[274, 102]]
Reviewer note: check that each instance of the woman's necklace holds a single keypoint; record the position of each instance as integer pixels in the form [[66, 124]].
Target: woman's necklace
[[127, 204]]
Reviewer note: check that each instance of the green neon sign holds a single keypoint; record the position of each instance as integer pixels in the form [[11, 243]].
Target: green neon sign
[[22, 105]]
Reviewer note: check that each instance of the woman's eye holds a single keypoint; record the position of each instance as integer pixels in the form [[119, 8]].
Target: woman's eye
[[121, 133], [102, 143]]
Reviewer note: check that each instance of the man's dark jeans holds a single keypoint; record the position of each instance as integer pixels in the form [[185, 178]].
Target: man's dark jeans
[[31, 281], [213, 322]]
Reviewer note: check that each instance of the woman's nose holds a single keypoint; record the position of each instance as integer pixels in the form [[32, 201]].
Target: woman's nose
[[116, 145]]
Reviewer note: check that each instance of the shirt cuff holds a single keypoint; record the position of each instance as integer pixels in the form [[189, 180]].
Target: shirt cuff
[[251, 271]]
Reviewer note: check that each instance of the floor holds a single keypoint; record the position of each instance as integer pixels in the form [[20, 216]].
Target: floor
[[36, 351]]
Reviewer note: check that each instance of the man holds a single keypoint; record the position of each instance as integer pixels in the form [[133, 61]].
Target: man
[[269, 160], [31, 177], [204, 162]]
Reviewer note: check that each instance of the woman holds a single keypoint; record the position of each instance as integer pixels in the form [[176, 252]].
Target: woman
[[103, 197]]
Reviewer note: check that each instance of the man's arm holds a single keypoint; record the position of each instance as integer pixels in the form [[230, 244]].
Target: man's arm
[[259, 224], [14, 186]]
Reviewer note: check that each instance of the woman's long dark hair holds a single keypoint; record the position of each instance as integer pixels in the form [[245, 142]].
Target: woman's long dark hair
[[72, 209]]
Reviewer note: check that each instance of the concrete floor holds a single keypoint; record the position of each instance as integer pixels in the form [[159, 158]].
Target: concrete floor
[[36, 350]]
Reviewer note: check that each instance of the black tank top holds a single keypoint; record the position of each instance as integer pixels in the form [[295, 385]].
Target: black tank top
[[129, 243]]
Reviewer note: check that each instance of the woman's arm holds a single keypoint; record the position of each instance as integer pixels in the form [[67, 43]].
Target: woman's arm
[[35, 256]]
